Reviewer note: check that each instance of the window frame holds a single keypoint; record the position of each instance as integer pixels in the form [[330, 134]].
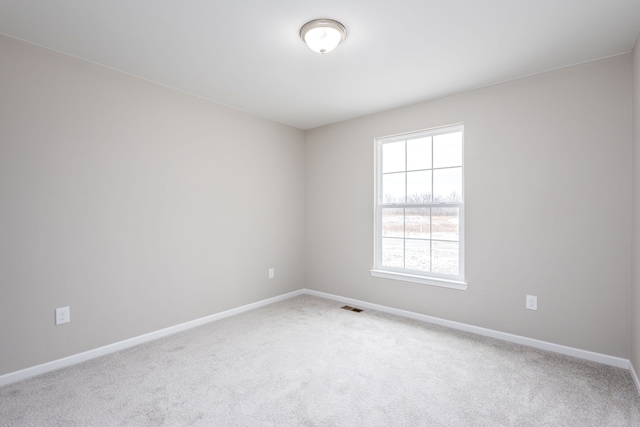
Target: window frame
[[428, 278]]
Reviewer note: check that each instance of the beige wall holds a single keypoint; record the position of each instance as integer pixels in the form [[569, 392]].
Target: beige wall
[[548, 213], [635, 300], [138, 206], [141, 207]]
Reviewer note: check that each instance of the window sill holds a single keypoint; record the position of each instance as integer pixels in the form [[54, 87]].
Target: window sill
[[452, 284]]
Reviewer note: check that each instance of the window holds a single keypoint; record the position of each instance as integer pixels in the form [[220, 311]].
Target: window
[[420, 207]]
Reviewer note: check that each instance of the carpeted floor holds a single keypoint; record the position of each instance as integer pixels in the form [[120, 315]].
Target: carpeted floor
[[306, 362]]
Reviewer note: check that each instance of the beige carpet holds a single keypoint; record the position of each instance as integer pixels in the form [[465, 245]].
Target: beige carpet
[[306, 362]]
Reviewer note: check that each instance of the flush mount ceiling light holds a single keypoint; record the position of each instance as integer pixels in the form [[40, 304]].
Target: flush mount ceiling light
[[323, 35]]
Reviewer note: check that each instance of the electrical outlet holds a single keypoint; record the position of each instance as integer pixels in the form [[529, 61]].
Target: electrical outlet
[[63, 315], [272, 273], [532, 302]]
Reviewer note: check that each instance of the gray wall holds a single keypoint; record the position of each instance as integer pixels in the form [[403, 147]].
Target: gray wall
[[142, 207], [635, 301], [138, 206], [548, 213]]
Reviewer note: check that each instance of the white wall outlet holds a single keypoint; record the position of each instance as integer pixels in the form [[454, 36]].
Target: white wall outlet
[[63, 315], [272, 273], [532, 302]]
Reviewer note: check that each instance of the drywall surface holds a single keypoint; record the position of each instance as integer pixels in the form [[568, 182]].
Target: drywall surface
[[635, 300], [548, 207], [137, 206]]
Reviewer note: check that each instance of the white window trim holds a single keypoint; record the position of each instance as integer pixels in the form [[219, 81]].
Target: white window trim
[[433, 279]]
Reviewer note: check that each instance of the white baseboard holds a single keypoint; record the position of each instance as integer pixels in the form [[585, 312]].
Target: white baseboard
[[543, 345], [121, 345], [636, 381]]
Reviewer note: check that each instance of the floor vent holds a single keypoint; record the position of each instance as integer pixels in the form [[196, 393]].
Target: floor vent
[[347, 307]]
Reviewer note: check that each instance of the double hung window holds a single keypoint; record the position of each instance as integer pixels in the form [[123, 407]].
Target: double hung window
[[420, 207]]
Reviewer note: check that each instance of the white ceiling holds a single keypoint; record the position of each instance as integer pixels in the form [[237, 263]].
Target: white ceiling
[[247, 54]]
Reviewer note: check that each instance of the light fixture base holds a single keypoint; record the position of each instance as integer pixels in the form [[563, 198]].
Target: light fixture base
[[323, 35]]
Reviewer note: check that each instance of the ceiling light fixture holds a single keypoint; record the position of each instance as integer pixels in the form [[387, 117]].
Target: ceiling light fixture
[[323, 35]]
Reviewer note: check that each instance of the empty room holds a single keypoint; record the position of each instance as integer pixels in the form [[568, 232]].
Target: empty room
[[289, 213]]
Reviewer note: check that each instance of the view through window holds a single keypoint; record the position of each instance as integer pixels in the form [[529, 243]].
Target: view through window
[[420, 205]]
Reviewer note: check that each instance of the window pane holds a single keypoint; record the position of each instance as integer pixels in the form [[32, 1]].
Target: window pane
[[417, 223], [393, 252], [419, 153], [445, 257], [393, 190], [392, 222], [419, 228], [447, 150], [393, 157], [445, 222], [447, 185], [419, 187], [417, 256]]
